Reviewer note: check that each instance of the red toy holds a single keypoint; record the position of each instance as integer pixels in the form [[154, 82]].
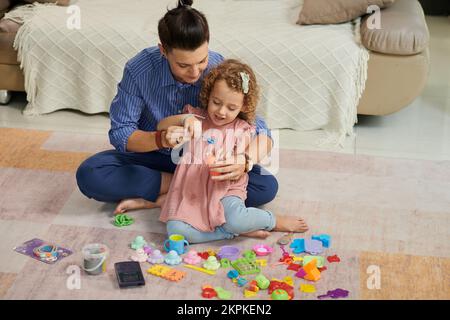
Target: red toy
[[334, 258], [203, 255], [274, 285]]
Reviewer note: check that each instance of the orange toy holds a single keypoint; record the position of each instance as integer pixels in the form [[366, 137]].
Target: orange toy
[[166, 272], [312, 273]]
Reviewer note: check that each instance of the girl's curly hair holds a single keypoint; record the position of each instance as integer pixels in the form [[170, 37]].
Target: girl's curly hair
[[229, 70]]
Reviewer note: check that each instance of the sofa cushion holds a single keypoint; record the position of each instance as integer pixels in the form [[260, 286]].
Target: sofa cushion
[[336, 11], [403, 30]]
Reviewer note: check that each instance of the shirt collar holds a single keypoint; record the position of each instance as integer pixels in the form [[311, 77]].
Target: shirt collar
[[167, 78]]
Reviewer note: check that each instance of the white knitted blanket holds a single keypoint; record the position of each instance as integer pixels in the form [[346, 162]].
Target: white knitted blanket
[[311, 76]]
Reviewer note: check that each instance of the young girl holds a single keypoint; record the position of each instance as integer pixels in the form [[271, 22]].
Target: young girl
[[197, 205]]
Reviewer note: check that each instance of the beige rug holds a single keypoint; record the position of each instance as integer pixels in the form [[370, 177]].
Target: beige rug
[[389, 220]]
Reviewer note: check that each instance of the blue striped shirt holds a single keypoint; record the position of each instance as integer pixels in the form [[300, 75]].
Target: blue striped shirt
[[148, 93]]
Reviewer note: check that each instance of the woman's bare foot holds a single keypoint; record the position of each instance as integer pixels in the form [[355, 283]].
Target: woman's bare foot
[[290, 224], [260, 234], [134, 204]]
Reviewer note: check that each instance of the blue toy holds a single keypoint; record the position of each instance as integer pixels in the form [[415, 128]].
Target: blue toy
[[298, 245], [241, 281], [324, 238], [232, 274]]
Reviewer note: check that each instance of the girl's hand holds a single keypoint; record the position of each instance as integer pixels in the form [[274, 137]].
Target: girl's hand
[[232, 168], [175, 136], [193, 126]]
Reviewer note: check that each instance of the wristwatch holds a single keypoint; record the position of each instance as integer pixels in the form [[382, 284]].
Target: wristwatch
[[248, 163]]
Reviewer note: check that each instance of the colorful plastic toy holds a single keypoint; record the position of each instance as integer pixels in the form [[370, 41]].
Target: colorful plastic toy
[[274, 285], [172, 258], [156, 257], [122, 220], [225, 263], [147, 249], [324, 238], [203, 255], [289, 281], [232, 274], [210, 272], [313, 246], [319, 260], [294, 267], [298, 245], [241, 281], [301, 273], [337, 293], [307, 288], [249, 255], [279, 294], [262, 250], [261, 262], [138, 243], [166, 273], [229, 252], [253, 286], [208, 292], [249, 293], [334, 258], [223, 294], [211, 263], [192, 257], [312, 273], [245, 266], [140, 256], [262, 282]]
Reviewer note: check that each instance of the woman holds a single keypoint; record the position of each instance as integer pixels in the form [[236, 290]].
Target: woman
[[158, 82]]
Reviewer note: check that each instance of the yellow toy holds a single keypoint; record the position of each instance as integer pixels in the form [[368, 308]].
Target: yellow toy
[[210, 272]]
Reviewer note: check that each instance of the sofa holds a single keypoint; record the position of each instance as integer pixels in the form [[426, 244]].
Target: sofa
[[397, 68]]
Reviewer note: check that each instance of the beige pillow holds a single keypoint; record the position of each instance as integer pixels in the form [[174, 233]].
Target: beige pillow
[[336, 11]]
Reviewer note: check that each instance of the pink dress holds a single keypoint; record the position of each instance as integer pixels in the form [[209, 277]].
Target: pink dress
[[193, 197]]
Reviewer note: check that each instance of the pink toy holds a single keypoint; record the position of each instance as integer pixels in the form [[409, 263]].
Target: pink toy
[[262, 249], [140, 256], [156, 257], [192, 257], [148, 250]]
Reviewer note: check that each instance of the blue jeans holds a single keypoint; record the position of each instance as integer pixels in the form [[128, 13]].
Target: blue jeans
[[111, 176], [239, 219]]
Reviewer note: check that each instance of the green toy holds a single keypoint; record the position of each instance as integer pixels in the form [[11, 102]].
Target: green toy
[[122, 220], [225, 263], [249, 255], [245, 266], [222, 293], [262, 282], [279, 294], [138, 243]]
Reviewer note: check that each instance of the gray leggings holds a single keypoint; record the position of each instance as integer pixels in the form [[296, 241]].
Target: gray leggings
[[239, 219]]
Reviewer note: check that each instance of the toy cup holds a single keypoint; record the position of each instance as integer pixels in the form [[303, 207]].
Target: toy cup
[[176, 242]]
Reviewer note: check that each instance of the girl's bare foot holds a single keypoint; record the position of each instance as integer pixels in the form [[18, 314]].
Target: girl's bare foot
[[134, 204], [290, 224], [260, 234]]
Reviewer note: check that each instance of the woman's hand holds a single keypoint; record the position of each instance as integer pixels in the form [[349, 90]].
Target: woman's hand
[[193, 126], [232, 168]]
